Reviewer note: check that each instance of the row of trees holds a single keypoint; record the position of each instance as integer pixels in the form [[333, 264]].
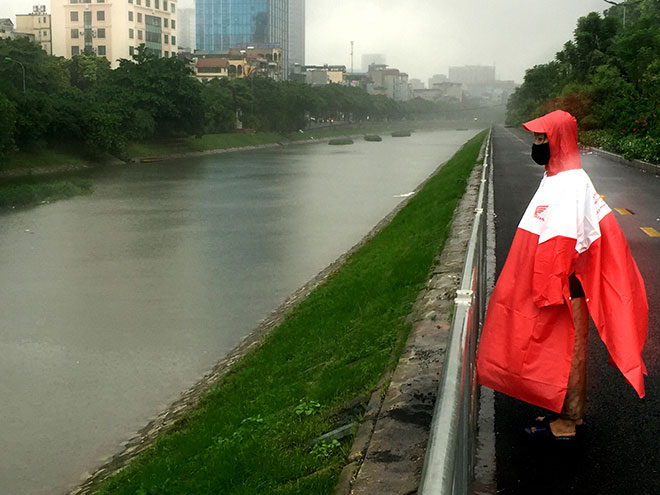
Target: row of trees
[[83, 101], [608, 76]]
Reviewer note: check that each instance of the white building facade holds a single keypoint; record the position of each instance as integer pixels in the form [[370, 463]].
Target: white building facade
[[114, 28]]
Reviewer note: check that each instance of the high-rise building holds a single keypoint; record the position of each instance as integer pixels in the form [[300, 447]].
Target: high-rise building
[[225, 24], [416, 84], [114, 28], [372, 58], [187, 38], [437, 79], [38, 24], [296, 33], [472, 74]]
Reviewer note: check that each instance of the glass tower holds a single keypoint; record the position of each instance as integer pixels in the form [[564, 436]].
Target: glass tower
[[296, 48], [224, 24]]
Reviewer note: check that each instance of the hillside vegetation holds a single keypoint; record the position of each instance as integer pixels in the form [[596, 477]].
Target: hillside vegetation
[[608, 76]]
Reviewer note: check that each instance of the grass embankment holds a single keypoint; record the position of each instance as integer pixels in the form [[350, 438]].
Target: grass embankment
[[41, 158], [208, 142], [26, 194], [251, 434]]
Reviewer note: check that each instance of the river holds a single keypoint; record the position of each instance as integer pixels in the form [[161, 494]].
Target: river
[[115, 303]]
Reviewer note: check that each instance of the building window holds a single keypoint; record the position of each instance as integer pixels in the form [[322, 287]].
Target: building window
[[100, 1], [74, 33], [131, 50], [173, 40], [172, 8], [130, 16], [130, 1], [74, 1], [153, 37], [74, 16], [101, 50], [147, 3], [138, 2], [166, 39], [173, 24], [130, 34], [156, 4], [139, 34], [75, 50], [165, 22], [139, 17], [165, 5], [166, 53], [100, 15], [100, 32]]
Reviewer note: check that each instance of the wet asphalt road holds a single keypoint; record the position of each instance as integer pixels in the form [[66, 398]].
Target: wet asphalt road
[[619, 452]]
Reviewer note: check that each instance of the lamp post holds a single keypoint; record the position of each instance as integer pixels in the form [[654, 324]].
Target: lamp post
[[623, 4], [9, 59]]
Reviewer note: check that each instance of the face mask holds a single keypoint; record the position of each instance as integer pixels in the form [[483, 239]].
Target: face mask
[[541, 153]]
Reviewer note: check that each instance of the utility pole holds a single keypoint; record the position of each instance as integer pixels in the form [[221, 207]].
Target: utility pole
[[9, 59]]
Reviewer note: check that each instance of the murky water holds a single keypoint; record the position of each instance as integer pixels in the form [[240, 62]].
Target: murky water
[[113, 304]]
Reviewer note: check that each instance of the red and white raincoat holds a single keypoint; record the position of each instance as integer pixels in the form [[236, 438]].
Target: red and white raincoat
[[527, 341]]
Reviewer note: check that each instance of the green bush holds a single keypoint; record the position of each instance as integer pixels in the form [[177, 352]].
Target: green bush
[[27, 194], [642, 147], [340, 141]]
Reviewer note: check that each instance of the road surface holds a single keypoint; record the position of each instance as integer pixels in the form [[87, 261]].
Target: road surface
[[620, 450]]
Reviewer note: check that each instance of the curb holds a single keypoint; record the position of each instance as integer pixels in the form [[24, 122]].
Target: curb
[[639, 164]]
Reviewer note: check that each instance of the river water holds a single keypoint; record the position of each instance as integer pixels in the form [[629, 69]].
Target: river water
[[115, 303]]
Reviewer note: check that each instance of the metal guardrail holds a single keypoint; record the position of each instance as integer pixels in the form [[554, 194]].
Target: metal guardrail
[[448, 465]]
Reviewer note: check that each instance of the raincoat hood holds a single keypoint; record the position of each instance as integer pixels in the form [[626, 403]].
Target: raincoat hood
[[561, 128]]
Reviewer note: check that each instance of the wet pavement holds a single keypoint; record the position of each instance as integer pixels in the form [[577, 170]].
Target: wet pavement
[[618, 451]]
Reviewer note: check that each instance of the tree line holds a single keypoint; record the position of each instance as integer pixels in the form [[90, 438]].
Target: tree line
[[608, 77], [83, 102]]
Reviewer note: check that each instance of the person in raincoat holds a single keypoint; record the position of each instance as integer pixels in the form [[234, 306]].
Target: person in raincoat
[[568, 260]]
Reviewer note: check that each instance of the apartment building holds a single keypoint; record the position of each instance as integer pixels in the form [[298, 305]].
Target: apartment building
[[36, 23], [114, 28]]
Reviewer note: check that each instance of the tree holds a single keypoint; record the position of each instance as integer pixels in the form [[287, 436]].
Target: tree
[[7, 124], [219, 106]]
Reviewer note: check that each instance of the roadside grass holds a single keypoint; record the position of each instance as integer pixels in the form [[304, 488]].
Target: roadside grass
[[251, 434], [26, 194]]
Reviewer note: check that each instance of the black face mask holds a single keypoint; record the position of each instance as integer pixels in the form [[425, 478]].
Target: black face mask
[[541, 153]]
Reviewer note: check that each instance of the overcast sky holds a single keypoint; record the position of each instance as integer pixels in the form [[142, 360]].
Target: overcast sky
[[425, 37]]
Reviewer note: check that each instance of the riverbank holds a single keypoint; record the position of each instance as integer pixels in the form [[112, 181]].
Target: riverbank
[[253, 433], [28, 179], [64, 160]]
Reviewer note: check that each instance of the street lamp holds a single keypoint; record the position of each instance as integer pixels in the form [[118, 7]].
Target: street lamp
[[623, 4], [9, 59]]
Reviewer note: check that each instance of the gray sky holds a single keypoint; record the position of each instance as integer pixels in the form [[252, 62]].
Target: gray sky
[[425, 37]]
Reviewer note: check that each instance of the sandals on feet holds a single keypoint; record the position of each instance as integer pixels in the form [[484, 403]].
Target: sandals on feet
[[543, 431], [550, 417]]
